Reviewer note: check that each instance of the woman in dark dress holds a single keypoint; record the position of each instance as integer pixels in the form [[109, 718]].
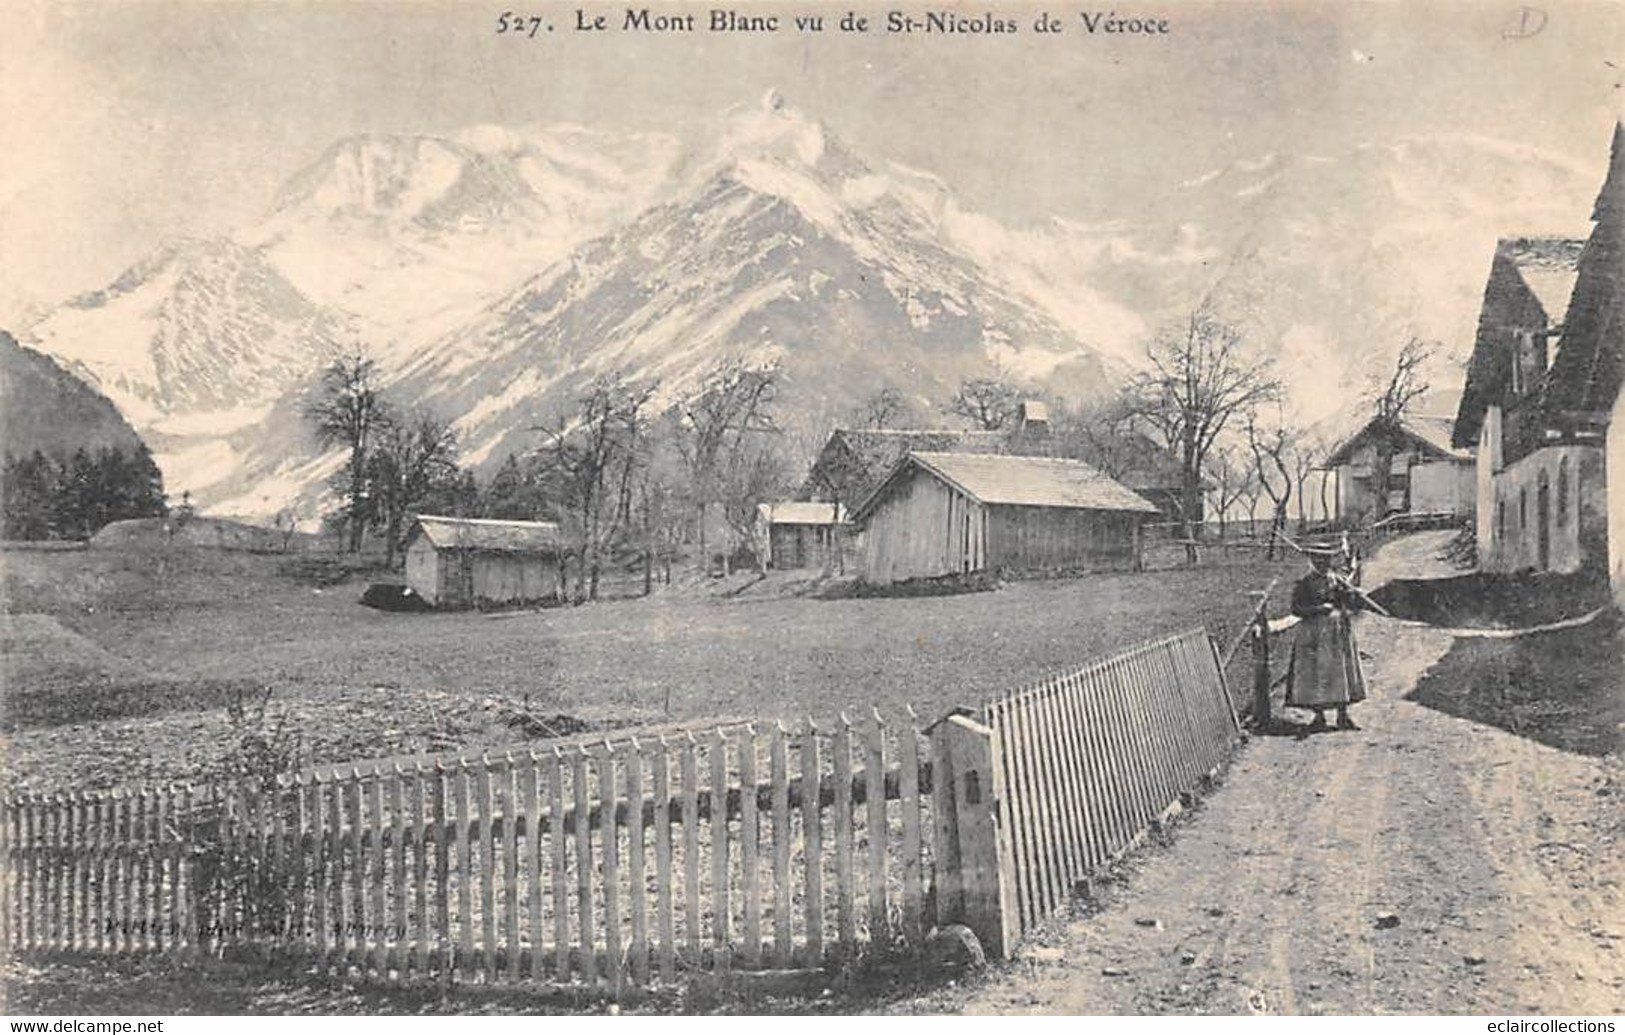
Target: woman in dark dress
[[1325, 668]]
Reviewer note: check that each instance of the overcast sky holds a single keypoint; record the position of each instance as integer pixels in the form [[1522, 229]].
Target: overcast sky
[[128, 122]]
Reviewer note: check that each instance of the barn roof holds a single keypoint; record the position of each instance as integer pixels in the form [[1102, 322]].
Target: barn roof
[[1547, 268], [863, 458], [1431, 431], [1020, 481], [1590, 363], [791, 512], [487, 534]]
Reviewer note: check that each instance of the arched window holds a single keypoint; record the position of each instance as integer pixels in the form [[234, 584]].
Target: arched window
[[1563, 491], [1523, 509]]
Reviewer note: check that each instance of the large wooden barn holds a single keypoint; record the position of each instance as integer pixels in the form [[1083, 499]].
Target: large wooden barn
[[954, 513], [475, 562], [855, 460]]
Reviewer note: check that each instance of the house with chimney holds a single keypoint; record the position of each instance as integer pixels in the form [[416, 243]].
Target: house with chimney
[[1542, 390], [854, 461]]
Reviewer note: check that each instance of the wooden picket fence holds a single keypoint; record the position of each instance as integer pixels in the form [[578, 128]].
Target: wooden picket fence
[[627, 862], [1089, 760], [640, 861]]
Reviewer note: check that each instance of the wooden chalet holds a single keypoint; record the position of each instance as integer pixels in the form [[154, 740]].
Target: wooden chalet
[[1425, 473], [854, 461], [458, 563], [940, 514], [1542, 387]]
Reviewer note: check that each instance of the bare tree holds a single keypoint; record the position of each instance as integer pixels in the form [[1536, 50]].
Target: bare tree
[[1306, 457], [756, 474], [662, 513], [346, 411], [1270, 448], [1199, 381], [734, 405], [1251, 496], [1391, 400], [590, 468], [1231, 477], [1102, 436], [989, 403], [411, 456], [886, 408]]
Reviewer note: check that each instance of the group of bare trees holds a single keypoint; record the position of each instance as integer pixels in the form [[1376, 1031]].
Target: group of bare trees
[[627, 478], [625, 475], [1216, 406], [622, 476], [395, 459]]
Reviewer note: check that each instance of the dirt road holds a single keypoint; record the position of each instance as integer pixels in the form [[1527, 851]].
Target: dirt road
[[1424, 864]]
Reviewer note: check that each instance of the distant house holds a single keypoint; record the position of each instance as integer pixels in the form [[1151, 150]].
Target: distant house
[[855, 460], [473, 562], [941, 514], [1425, 474], [802, 535], [1151, 471], [1541, 394]]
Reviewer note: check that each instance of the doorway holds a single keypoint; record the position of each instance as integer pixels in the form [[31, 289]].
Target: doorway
[[1543, 519]]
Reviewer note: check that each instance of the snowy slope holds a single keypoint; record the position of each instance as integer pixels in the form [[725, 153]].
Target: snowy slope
[[494, 271], [771, 248], [204, 331], [412, 234]]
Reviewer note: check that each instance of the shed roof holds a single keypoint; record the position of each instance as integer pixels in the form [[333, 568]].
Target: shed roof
[[1034, 410], [1431, 431], [795, 512], [1020, 481], [487, 534]]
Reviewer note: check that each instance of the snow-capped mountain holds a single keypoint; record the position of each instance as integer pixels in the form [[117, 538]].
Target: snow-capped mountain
[[201, 329], [412, 234], [494, 271], [781, 244], [383, 241]]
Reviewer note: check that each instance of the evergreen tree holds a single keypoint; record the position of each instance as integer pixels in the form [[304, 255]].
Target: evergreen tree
[[46, 498], [509, 495]]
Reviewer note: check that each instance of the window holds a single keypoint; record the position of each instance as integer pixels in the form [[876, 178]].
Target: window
[[1500, 519], [1563, 491], [1523, 509]]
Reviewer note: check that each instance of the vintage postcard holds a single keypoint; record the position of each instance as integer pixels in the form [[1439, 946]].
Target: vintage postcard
[[812, 508]]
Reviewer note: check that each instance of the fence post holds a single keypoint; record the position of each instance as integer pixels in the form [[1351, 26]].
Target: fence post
[[1261, 667], [980, 870]]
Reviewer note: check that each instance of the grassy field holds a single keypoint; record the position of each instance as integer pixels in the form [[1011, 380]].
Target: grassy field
[[119, 665]]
